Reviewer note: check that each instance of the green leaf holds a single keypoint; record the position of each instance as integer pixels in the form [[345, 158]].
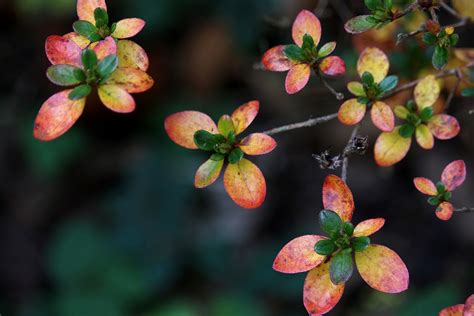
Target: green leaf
[[434, 201], [308, 42], [389, 83], [325, 247], [326, 49], [330, 222], [360, 243], [401, 112], [388, 4], [107, 66], [447, 196], [440, 187], [206, 141], [113, 27], [367, 78], [429, 38], [80, 92], [79, 74], [63, 75], [363, 100], [407, 130], [89, 59], [348, 228], [101, 17], [426, 114], [440, 57], [225, 126], [360, 24], [236, 155], [411, 105], [372, 5], [217, 157], [454, 39], [294, 52], [86, 29], [342, 267], [468, 92]]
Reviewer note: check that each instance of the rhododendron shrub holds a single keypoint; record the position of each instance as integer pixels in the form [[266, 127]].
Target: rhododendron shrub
[[372, 67], [420, 121], [330, 260], [440, 194], [243, 181], [84, 61], [301, 58]]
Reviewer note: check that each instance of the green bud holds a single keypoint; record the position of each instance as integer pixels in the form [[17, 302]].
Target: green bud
[[440, 57], [429, 38], [434, 201], [348, 228], [294, 53], [426, 114], [440, 188], [407, 130], [367, 78], [447, 196], [207, 141], [89, 59], [101, 17], [86, 29]]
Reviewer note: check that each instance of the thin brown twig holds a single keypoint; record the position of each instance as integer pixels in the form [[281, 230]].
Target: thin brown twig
[[307, 123], [455, 88], [338, 95], [346, 153]]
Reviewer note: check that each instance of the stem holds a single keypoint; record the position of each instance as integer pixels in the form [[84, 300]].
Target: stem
[[347, 152], [338, 95], [465, 209], [413, 6], [308, 123], [453, 90]]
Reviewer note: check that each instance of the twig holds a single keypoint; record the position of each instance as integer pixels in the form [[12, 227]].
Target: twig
[[464, 209], [308, 123], [433, 14], [454, 89], [346, 153], [338, 95], [451, 10]]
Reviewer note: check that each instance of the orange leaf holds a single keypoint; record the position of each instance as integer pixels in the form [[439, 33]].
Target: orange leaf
[[244, 115], [382, 116], [424, 138], [257, 144], [208, 173], [297, 78], [298, 255], [182, 126], [245, 184], [86, 8], [351, 112], [128, 28], [368, 227], [426, 92], [306, 23], [274, 59], [444, 126], [391, 148], [63, 51], [105, 48], [80, 40], [425, 186], [320, 295], [338, 197], [57, 115], [333, 66], [132, 55], [116, 98], [382, 269], [469, 306], [456, 310], [131, 79], [445, 211], [454, 175], [375, 61]]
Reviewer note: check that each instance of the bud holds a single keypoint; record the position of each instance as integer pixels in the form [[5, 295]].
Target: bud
[[432, 26], [449, 30]]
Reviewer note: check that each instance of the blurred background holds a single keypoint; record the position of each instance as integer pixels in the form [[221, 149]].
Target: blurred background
[[105, 221]]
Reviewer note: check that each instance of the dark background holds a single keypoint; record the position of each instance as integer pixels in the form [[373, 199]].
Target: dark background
[[105, 220]]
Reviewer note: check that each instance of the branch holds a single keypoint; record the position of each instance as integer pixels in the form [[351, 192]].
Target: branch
[[338, 95], [451, 10], [308, 123], [454, 89], [464, 210], [347, 152]]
